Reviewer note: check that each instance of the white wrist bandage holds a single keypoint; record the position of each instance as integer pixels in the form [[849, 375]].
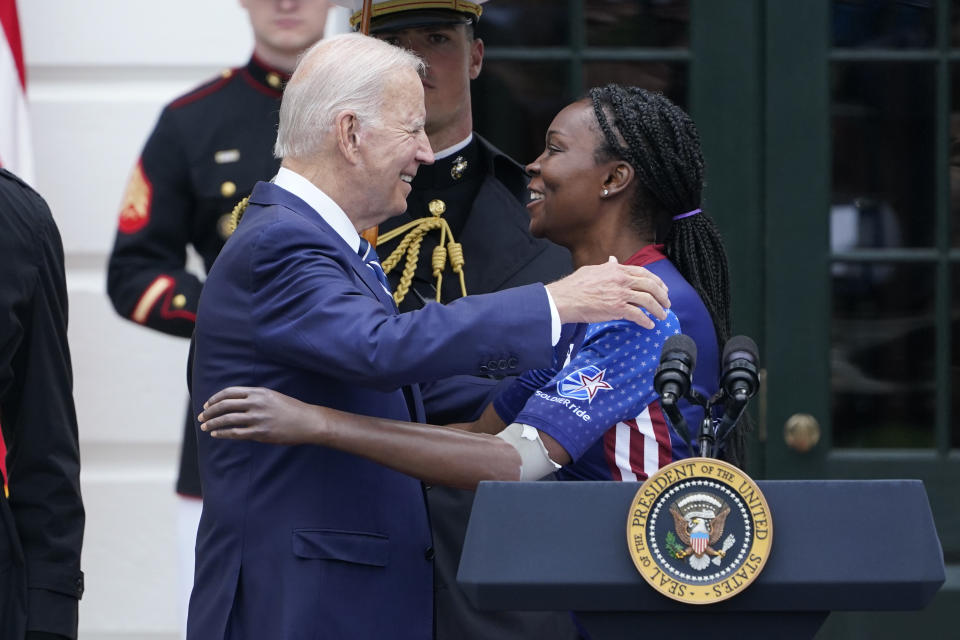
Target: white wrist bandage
[[534, 460]]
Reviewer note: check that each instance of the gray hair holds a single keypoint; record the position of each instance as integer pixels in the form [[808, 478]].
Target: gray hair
[[345, 72]]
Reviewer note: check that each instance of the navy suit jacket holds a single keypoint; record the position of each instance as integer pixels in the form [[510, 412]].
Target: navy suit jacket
[[307, 542]]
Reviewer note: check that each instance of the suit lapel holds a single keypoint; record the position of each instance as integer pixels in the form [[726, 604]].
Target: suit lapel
[[267, 194], [373, 283]]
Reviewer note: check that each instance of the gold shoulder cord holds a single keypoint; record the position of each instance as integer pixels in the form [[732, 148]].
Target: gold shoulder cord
[[236, 214], [410, 245]]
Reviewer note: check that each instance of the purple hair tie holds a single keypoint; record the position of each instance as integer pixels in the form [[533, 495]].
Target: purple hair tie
[[687, 214]]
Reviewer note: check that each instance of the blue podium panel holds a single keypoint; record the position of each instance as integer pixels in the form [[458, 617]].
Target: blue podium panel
[[777, 625], [837, 545]]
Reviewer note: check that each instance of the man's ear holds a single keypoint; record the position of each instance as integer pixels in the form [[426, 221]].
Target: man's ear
[[347, 129], [476, 58], [618, 178]]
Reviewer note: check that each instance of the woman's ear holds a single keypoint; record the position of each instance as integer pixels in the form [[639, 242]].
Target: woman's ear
[[618, 179]]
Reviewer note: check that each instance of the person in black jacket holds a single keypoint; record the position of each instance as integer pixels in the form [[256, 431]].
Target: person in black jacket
[[41, 511], [207, 150]]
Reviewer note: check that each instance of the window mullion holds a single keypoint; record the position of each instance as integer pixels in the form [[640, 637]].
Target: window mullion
[[942, 237]]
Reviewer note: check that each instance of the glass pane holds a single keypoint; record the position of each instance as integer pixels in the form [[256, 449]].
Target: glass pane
[[882, 116], [670, 78], [884, 24], [955, 23], [954, 380], [647, 23], [882, 355], [525, 23], [514, 103], [955, 154]]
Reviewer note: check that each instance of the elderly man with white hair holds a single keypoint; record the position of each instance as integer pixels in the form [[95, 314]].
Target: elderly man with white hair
[[304, 541]]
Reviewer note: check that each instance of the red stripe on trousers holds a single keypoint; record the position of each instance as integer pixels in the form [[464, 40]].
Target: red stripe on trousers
[[3, 459]]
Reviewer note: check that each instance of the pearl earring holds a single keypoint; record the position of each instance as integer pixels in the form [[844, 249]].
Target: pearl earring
[[605, 192]]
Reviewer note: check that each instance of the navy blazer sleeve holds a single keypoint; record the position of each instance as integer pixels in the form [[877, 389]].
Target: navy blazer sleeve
[[312, 317]]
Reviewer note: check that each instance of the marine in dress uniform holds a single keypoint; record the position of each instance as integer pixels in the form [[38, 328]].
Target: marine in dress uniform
[[41, 511], [480, 192], [208, 149], [485, 245]]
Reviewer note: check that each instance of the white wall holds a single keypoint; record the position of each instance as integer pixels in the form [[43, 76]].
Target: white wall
[[98, 73]]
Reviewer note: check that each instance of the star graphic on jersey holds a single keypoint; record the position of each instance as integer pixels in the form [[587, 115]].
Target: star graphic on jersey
[[592, 384]]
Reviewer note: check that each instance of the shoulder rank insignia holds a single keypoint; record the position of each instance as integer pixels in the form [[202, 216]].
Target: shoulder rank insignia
[[699, 530], [135, 208]]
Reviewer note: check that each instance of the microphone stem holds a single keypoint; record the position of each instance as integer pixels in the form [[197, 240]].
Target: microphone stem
[[668, 401], [705, 438]]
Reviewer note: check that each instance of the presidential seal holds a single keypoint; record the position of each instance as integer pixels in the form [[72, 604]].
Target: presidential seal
[[699, 530]]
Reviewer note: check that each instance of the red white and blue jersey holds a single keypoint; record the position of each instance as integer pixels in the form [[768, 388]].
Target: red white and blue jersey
[[598, 400]]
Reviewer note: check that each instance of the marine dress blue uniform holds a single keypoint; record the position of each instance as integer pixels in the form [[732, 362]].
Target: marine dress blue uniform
[[207, 150]]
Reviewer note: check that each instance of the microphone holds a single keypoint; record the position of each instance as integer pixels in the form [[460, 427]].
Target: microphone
[[671, 381], [739, 378], [739, 381]]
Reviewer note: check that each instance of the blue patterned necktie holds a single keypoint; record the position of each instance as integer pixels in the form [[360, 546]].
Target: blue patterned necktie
[[369, 257]]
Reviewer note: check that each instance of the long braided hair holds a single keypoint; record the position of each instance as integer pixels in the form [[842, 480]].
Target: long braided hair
[[661, 143]]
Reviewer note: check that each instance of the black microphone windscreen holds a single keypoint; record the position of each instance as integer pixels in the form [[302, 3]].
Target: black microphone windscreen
[[684, 345], [738, 346]]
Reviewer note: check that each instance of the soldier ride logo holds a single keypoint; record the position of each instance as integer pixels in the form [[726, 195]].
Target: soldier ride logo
[[699, 530]]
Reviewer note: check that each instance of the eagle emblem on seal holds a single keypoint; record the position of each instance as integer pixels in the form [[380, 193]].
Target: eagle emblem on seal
[[698, 521]]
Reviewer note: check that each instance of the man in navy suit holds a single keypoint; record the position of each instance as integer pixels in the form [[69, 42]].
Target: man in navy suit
[[308, 542]]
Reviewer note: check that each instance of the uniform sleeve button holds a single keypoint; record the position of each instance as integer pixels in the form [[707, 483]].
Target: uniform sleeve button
[[428, 554], [503, 364], [512, 363]]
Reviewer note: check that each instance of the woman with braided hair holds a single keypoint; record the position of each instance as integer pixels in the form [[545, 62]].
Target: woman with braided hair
[[661, 142], [621, 178]]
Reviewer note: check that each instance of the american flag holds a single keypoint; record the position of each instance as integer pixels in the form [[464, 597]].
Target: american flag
[[16, 153]]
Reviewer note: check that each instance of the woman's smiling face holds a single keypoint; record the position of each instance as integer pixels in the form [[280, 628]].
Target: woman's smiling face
[[567, 181]]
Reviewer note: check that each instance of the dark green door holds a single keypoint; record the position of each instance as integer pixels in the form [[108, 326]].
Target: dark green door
[[861, 259], [829, 129]]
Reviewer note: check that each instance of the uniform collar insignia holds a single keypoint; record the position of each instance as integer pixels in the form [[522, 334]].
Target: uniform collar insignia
[[459, 166], [451, 170]]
